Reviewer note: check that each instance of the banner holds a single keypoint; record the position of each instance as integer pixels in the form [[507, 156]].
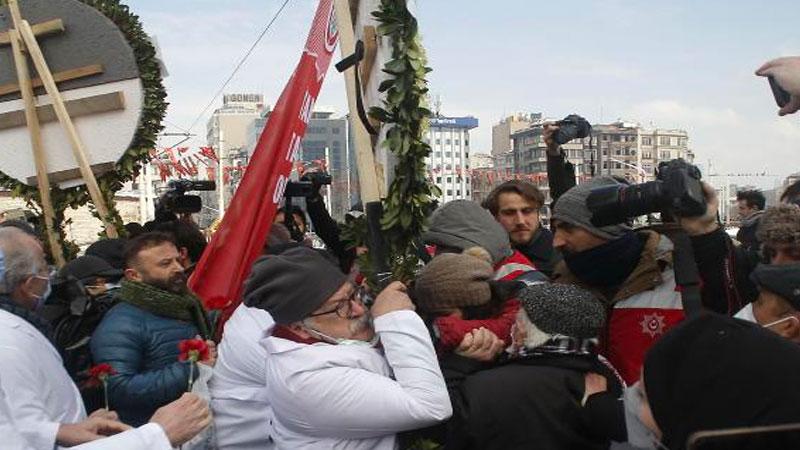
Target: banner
[[220, 274]]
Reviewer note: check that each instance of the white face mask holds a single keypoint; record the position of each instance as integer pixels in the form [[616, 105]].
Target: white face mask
[[746, 313], [342, 341], [639, 435]]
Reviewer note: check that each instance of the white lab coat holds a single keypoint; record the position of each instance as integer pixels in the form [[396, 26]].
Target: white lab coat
[[37, 395], [354, 396], [242, 412]]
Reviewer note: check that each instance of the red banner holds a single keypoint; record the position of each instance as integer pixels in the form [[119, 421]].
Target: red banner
[[219, 276]]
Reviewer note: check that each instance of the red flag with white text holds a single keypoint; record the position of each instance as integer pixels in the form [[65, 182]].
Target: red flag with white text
[[220, 274]]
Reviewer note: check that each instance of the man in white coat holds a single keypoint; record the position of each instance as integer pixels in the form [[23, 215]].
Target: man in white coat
[[242, 412], [329, 383], [39, 397]]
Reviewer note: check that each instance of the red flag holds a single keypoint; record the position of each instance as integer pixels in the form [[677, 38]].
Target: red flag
[[239, 240]]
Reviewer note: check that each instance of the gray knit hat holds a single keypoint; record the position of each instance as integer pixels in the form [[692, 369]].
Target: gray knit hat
[[453, 280], [293, 284], [571, 208], [463, 224], [563, 309]]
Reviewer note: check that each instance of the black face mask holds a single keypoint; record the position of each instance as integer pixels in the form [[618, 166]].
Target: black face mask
[[608, 264]]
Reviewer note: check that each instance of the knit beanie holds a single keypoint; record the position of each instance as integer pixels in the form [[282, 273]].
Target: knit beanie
[[293, 284], [571, 208], [563, 309], [453, 280], [780, 279], [463, 224]]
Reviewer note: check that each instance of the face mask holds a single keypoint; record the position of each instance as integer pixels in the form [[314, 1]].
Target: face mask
[[746, 313], [639, 435], [41, 299], [781, 321], [341, 341]]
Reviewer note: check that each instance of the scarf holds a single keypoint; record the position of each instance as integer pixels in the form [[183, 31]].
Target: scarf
[[561, 345], [187, 307], [609, 264], [29, 316], [540, 251]]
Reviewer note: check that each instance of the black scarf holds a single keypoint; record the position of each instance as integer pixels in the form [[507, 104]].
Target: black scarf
[[540, 251], [29, 316], [609, 264]]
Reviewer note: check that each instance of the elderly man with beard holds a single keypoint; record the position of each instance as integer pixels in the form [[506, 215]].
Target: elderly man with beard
[[328, 382], [139, 337]]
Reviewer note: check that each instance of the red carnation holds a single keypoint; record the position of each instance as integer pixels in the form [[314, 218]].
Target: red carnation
[[193, 350], [99, 375]]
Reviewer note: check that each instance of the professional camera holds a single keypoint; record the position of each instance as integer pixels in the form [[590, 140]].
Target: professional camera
[[571, 127], [308, 185], [176, 201], [677, 190]]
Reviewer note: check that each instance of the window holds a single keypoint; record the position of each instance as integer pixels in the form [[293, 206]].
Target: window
[[315, 130], [447, 142], [663, 140], [458, 192], [467, 192], [618, 152], [605, 151], [605, 137], [456, 142], [450, 167], [617, 166], [466, 142], [664, 156], [647, 141], [605, 164], [438, 154], [615, 138], [449, 179], [438, 180], [450, 192], [466, 155], [438, 142], [448, 154], [647, 155], [335, 130]]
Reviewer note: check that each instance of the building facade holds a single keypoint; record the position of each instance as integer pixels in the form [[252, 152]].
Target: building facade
[[326, 144], [502, 131], [449, 162]]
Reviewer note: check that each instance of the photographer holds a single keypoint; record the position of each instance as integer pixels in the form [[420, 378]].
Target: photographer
[[632, 271], [325, 227]]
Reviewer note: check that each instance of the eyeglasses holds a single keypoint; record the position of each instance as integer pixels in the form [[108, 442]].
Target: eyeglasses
[[344, 308]]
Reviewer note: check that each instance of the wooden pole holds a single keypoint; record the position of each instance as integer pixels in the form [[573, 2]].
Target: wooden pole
[[32, 120], [365, 158], [66, 122]]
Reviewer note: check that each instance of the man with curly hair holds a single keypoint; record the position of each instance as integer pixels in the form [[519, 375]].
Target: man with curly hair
[[779, 232]]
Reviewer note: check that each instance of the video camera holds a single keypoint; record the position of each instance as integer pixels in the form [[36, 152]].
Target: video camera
[[677, 190], [175, 200], [571, 127], [308, 184]]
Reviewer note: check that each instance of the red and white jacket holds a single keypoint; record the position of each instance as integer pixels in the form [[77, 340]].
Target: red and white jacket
[[645, 307]]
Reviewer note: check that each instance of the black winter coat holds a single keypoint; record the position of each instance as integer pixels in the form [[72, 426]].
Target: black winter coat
[[533, 402]]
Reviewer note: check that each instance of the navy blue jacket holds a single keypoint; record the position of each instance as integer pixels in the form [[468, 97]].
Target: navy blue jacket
[[143, 348]]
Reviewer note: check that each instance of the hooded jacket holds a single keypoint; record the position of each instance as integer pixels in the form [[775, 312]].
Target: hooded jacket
[[644, 307], [713, 372]]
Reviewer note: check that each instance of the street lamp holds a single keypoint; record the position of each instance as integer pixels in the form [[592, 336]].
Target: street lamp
[[642, 172]]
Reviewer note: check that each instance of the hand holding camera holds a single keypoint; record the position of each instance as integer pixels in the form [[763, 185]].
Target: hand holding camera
[[557, 134]]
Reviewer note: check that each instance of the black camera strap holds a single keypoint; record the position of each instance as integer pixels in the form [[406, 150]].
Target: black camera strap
[[687, 276]]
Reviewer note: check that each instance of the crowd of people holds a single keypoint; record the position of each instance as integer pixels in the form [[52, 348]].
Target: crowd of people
[[511, 335]]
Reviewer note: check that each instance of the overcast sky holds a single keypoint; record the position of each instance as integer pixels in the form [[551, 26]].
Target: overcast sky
[[681, 64]]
